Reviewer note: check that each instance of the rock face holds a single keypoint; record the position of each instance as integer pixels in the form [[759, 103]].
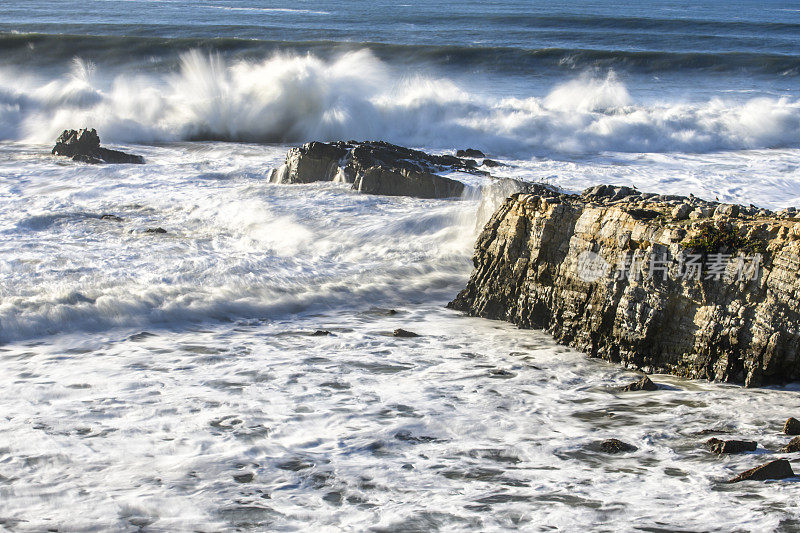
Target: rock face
[[374, 168], [777, 469], [84, 145], [623, 276]]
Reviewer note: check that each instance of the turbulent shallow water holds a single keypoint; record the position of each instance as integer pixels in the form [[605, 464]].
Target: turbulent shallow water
[[171, 382]]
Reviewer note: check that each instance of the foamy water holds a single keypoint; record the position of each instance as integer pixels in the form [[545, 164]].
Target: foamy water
[[171, 382]]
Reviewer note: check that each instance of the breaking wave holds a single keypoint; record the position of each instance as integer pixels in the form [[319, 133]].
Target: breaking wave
[[296, 98]]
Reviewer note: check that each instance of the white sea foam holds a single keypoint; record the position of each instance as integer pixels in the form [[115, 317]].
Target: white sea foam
[[297, 98]]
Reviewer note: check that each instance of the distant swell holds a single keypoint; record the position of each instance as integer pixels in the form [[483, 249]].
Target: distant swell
[[291, 98], [149, 52]]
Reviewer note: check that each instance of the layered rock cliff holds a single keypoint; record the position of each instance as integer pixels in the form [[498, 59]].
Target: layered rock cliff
[[659, 283]]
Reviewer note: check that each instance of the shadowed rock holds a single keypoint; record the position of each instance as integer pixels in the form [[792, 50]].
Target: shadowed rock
[[777, 469], [731, 446], [643, 384], [792, 426], [374, 167], [84, 146], [404, 333]]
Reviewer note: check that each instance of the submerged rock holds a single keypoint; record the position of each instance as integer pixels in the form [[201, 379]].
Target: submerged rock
[[792, 426], [616, 446], [613, 273], [374, 168], [643, 384], [777, 469], [731, 446], [84, 145]]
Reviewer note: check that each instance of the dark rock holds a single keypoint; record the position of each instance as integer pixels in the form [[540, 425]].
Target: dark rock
[[491, 163], [244, 478], [84, 146], [115, 218], [404, 333], [155, 230], [777, 469], [470, 152], [321, 333], [731, 446], [616, 446], [792, 426], [374, 167], [643, 384], [793, 446]]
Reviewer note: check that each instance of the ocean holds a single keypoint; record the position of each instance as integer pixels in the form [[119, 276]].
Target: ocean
[[172, 382]]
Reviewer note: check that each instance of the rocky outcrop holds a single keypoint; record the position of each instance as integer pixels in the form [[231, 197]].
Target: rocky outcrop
[[84, 145], [655, 282], [374, 168]]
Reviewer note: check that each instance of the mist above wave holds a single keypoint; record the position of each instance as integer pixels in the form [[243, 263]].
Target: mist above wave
[[293, 98]]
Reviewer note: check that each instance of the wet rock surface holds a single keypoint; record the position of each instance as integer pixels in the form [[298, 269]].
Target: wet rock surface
[[777, 469], [375, 168], [608, 272], [84, 145]]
